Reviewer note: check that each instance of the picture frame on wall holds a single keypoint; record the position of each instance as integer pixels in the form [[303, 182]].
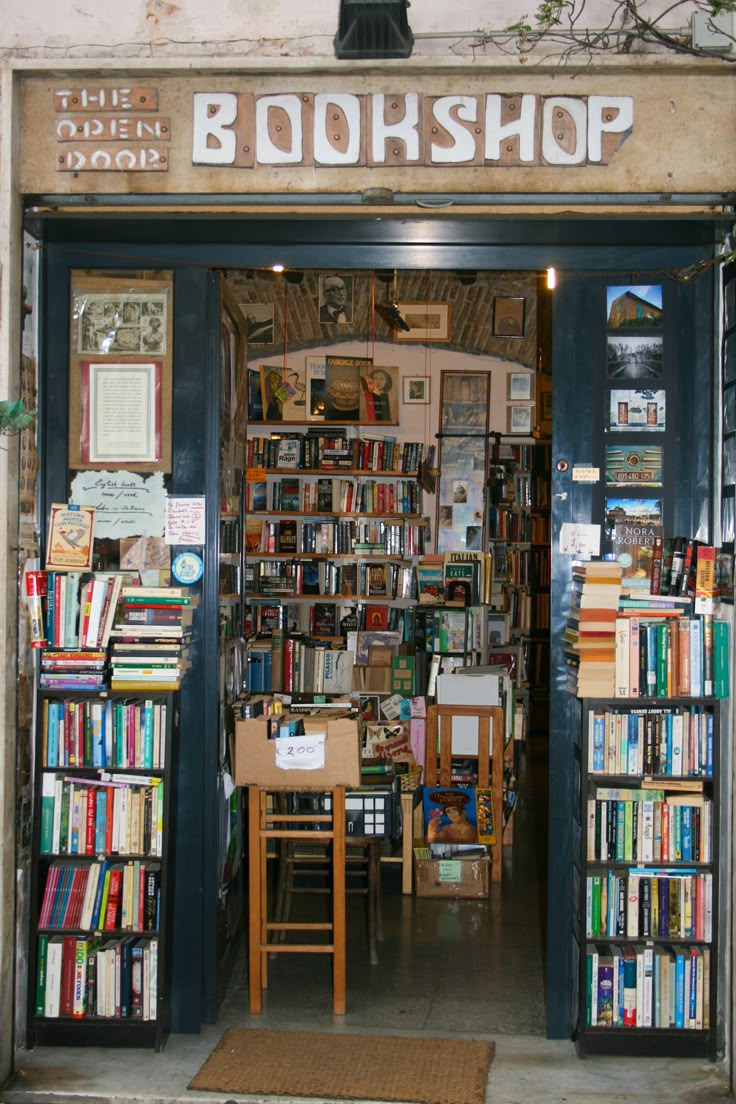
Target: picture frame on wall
[[464, 399], [520, 386], [508, 316], [520, 418], [416, 390], [426, 322]]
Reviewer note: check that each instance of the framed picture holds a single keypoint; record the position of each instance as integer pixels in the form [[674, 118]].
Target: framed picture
[[520, 418], [259, 319], [464, 398], [335, 298], [426, 322], [520, 386], [508, 317], [416, 389]]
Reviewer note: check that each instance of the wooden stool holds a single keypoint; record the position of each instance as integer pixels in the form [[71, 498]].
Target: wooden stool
[[489, 756], [308, 869], [318, 827]]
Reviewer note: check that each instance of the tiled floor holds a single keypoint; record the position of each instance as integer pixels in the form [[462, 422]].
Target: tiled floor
[[467, 968]]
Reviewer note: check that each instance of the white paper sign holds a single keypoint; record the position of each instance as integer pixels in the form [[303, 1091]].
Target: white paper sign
[[300, 752], [580, 540], [185, 520], [126, 504]]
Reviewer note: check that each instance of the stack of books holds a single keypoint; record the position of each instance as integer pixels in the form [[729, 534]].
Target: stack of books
[[590, 634], [150, 638], [69, 669]]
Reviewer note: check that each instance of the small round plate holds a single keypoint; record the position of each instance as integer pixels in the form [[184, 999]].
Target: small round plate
[[188, 567]]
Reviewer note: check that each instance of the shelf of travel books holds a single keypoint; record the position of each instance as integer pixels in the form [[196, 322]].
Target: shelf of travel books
[[100, 890], [648, 876]]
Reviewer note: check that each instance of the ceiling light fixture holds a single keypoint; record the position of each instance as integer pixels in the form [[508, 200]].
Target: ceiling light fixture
[[551, 278]]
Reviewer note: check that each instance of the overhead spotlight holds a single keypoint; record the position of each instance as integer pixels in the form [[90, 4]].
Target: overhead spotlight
[[551, 278], [293, 276], [277, 268], [466, 278], [391, 315]]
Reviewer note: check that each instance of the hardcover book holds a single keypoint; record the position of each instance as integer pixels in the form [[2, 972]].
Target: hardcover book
[[634, 545]]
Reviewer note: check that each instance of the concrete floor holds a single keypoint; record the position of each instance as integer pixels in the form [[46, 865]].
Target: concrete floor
[[446, 968]]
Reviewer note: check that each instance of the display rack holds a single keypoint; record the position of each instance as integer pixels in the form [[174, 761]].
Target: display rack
[[647, 877]]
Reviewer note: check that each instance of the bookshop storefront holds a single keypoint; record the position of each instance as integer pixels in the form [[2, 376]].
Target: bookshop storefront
[[611, 178]]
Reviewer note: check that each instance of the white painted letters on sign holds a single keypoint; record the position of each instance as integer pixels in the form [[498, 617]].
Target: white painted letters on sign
[[332, 129]]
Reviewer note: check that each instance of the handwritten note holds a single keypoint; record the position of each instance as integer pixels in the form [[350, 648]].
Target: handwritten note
[[300, 752], [126, 504], [185, 520]]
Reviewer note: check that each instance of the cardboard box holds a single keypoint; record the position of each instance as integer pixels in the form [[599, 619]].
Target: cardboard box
[[255, 755], [452, 877]]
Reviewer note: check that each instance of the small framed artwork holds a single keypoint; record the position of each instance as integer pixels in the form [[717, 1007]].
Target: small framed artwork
[[426, 322], [508, 316], [520, 386], [416, 389], [335, 298], [520, 419]]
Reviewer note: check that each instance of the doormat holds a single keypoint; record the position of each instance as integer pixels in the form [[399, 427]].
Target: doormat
[[348, 1067]]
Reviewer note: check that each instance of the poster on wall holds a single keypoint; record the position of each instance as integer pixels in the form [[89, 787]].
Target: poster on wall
[[461, 494]]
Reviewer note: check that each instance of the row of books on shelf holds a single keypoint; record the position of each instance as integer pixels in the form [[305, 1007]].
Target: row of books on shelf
[[645, 646], [85, 816], [653, 904], [294, 536], [667, 740], [518, 488], [231, 534], [84, 612], [321, 578], [104, 733], [521, 526], [294, 664], [300, 494], [454, 578], [649, 826], [102, 896], [664, 987], [320, 448], [82, 976]]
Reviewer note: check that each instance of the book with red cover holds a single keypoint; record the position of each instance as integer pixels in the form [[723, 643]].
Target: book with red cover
[[68, 966], [113, 898]]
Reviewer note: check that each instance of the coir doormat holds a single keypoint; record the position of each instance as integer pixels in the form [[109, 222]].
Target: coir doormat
[[350, 1067]]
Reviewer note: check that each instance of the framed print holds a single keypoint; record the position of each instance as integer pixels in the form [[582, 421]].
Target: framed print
[[335, 298], [259, 319], [632, 357], [642, 410], [120, 412], [508, 316], [426, 322], [120, 372], [520, 386], [464, 398], [520, 418], [416, 390], [634, 307]]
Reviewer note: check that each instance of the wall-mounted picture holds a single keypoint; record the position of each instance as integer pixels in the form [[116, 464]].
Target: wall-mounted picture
[[259, 321], [508, 316], [335, 298], [520, 418], [520, 386], [635, 306], [634, 465], [634, 358], [633, 511], [464, 400], [416, 389], [134, 322], [379, 393], [460, 497], [642, 410], [426, 322]]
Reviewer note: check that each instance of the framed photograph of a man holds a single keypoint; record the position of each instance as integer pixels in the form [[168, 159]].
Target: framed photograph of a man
[[335, 298]]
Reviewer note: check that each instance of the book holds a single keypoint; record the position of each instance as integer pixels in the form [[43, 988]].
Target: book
[[450, 815], [338, 671], [70, 537], [342, 387], [633, 546]]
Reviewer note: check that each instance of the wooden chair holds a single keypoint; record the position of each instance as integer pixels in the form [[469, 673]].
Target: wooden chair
[[265, 825], [489, 756]]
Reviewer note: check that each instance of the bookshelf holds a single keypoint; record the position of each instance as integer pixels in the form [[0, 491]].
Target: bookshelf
[[519, 539], [333, 529], [100, 895], [647, 870]]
